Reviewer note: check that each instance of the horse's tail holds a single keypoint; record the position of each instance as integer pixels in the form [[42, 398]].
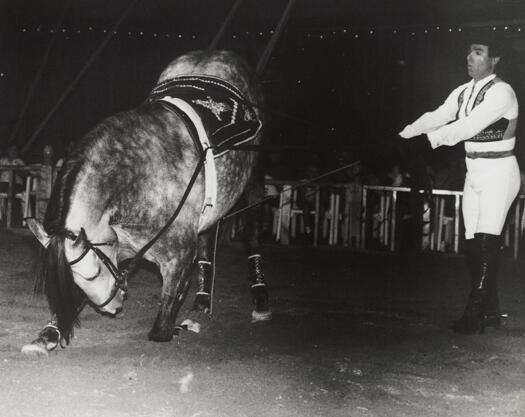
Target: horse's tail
[[65, 298]]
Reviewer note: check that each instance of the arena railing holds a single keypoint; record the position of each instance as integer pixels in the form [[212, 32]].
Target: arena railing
[[373, 216]]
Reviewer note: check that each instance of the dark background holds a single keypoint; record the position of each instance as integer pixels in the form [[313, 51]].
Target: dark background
[[343, 76]]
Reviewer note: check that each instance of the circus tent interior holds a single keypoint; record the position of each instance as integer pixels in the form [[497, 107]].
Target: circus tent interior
[[358, 70]]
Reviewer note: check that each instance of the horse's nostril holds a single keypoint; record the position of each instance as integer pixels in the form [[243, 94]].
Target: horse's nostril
[[118, 310]]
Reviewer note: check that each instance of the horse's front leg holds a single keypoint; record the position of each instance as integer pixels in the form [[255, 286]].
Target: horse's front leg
[[48, 339], [176, 281], [205, 272]]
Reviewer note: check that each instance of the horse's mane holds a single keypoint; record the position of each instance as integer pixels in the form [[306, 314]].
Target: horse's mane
[[59, 202], [54, 275], [65, 298]]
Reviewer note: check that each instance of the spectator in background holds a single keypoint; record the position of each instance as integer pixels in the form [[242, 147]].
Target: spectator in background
[[12, 159], [395, 176], [355, 195], [47, 155], [306, 198], [271, 192], [344, 176], [451, 176], [69, 148]]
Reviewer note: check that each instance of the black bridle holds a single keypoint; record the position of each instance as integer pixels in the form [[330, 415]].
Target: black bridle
[[121, 277]]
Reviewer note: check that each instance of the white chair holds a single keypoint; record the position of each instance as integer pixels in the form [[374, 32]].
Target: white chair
[[27, 196], [288, 203], [443, 231], [24, 197], [295, 214], [352, 215], [332, 219], [381, 219]]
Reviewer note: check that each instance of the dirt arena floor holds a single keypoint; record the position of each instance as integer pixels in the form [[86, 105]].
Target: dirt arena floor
[[353, 334]]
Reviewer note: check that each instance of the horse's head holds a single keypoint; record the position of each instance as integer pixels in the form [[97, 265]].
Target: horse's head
[[94, 269], [92, 265]]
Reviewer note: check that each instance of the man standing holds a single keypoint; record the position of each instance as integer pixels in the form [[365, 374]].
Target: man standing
[[483, 114]]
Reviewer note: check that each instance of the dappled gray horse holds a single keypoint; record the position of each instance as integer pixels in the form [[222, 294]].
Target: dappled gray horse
[[151, 183]]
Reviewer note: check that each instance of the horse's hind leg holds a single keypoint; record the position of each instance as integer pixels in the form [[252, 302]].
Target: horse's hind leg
[[252, 241]]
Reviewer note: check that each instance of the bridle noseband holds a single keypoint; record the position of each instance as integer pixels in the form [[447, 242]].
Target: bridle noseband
[[121, 281]]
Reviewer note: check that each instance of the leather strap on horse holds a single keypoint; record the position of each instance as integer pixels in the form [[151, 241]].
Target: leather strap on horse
[[131, 267]]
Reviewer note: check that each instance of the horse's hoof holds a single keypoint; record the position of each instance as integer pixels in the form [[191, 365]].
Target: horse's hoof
[[199, 319], [258, 316], [493, 320], [161, 336], [191, 326], [469, 325], [34, 349], [260, 299]]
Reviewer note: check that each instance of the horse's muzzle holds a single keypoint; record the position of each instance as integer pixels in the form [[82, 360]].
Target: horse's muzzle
[[115, 306]]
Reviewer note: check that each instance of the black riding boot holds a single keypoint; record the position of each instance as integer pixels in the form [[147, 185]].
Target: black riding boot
[[261, 310], [492, 310], [483, 268], [472, 260], [204, 281]]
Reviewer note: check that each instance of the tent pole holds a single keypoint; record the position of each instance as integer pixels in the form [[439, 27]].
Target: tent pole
[[222, 29], [273, 40], [38, 75], [75, 81]]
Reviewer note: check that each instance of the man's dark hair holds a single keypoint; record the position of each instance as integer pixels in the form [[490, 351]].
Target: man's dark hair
[[489, 37]]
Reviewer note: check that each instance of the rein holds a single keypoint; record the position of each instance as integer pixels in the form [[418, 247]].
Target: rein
[[121, 277], [134, 261], [132, 265]]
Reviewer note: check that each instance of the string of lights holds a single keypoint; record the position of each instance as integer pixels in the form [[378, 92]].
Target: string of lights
[[321, 34], [512, 28]]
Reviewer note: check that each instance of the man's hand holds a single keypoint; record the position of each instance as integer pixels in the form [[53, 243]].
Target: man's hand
[[408, 132]]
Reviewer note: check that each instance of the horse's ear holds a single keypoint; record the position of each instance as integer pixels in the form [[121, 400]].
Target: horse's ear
[[81, 239], [38, 230]]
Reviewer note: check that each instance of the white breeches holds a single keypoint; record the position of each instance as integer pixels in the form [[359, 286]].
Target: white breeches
[[491, 185]]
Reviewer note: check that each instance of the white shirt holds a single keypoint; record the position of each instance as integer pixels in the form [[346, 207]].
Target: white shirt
[[499, 102]]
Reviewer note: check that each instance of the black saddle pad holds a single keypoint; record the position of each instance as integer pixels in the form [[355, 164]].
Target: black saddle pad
[[229, 120]]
